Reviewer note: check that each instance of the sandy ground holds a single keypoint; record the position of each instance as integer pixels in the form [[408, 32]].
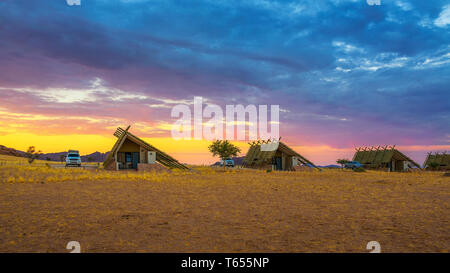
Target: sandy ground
[[244, 211]]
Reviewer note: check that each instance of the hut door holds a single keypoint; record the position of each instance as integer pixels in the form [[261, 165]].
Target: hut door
[[278, 163], [135, 160]]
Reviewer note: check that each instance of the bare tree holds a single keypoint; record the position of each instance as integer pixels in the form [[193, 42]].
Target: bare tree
[[31, 154]]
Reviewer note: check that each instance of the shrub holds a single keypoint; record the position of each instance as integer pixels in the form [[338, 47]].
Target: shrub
[[433, 165], [342, 162], [359, 170]]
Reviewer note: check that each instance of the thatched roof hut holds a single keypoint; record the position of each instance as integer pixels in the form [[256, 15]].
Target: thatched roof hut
[[387, 158], [131, 152], [442, 160], [274, 155]]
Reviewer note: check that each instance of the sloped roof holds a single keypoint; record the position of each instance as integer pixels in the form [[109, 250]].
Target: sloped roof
[[373, 157], [161, 157], [442, 159], [257, 156]]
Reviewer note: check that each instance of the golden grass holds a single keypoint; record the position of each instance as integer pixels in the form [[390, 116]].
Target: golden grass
[[211, 210]]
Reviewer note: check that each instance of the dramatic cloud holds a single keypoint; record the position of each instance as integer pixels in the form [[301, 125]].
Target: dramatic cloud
[[344, 72], [444, 17]]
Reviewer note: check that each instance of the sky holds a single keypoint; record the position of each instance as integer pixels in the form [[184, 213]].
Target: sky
[[345, 73]]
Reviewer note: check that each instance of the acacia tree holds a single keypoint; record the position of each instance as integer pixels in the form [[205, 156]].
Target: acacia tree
[[342, 162], [224, 149]]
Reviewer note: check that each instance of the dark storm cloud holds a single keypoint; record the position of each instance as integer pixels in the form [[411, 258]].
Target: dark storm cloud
[[358, 71]]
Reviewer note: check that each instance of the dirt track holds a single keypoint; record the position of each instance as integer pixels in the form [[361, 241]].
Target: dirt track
[[230, 212]]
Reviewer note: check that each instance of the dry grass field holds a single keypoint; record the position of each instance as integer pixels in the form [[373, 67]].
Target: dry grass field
[[211, 210]]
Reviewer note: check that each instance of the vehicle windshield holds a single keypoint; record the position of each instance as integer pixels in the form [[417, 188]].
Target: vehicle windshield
[[73, 155]]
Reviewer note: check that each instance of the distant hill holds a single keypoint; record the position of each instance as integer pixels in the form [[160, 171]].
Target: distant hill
[[10, 151], [95, 157], [331, 166], [237, 161]]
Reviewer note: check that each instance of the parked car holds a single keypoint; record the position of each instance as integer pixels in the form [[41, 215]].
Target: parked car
[[353, 165], [228, 162], [73, 158]]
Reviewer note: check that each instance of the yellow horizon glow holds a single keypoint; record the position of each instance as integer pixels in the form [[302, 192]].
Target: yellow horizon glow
[[185, 151]]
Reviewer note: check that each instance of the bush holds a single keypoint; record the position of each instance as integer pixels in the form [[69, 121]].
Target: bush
[[433, 165], [342, 162], [359, 170], [268, 171]]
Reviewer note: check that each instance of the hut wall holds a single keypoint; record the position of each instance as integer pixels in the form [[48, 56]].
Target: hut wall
[[288, 163], [265, 166], [145, 167], [143, 156], [301, 168], [399, 165]]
